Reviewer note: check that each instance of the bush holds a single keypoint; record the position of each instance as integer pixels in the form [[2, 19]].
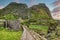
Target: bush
[[9, 17]]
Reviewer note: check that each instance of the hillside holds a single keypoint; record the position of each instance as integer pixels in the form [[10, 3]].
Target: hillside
[[22, 10], [41, 11], [15, 9]]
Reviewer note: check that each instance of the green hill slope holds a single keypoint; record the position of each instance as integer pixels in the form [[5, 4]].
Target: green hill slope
[[15, 9]]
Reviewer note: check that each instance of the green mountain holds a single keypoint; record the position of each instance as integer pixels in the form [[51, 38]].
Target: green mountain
[[16, 9], [39, 11]]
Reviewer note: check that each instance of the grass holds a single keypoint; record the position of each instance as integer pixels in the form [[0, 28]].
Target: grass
[[39, 28], [9, 16], [6, 34]]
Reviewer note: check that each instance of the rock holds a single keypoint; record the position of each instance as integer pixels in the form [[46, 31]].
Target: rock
[[2, 23], [14, 24], [58, 31]]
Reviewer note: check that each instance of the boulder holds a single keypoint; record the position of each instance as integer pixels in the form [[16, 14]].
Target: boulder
[[13, 24], [58, 31]]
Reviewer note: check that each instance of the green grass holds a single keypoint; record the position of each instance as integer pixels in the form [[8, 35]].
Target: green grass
[[6, 34], [39, 28], [9, 17]]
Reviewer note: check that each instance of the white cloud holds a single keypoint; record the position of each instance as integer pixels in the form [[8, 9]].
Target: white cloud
[[56, 15], [56, 11], [17, 1], [1, 7], [57, 3]]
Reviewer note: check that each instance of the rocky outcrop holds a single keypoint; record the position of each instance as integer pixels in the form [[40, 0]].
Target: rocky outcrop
[[17, 9], [41, 11], [13, 24]]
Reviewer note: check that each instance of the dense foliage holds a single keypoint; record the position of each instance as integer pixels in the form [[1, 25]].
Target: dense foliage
[[9, 17]]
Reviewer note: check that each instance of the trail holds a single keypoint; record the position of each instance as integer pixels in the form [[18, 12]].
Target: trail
[[31, 35]]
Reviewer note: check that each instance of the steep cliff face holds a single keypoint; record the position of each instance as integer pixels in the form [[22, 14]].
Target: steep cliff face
[[15, 9], [41, 11], [38, 13]]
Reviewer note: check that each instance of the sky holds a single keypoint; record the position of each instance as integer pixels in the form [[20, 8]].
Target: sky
[[56, 10], [4, 3]]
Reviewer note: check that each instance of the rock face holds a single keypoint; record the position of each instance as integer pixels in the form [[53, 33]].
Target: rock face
[[58, 31], [41, 10], [15, 9], [23, 11], [13, 24], [2, 23]]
